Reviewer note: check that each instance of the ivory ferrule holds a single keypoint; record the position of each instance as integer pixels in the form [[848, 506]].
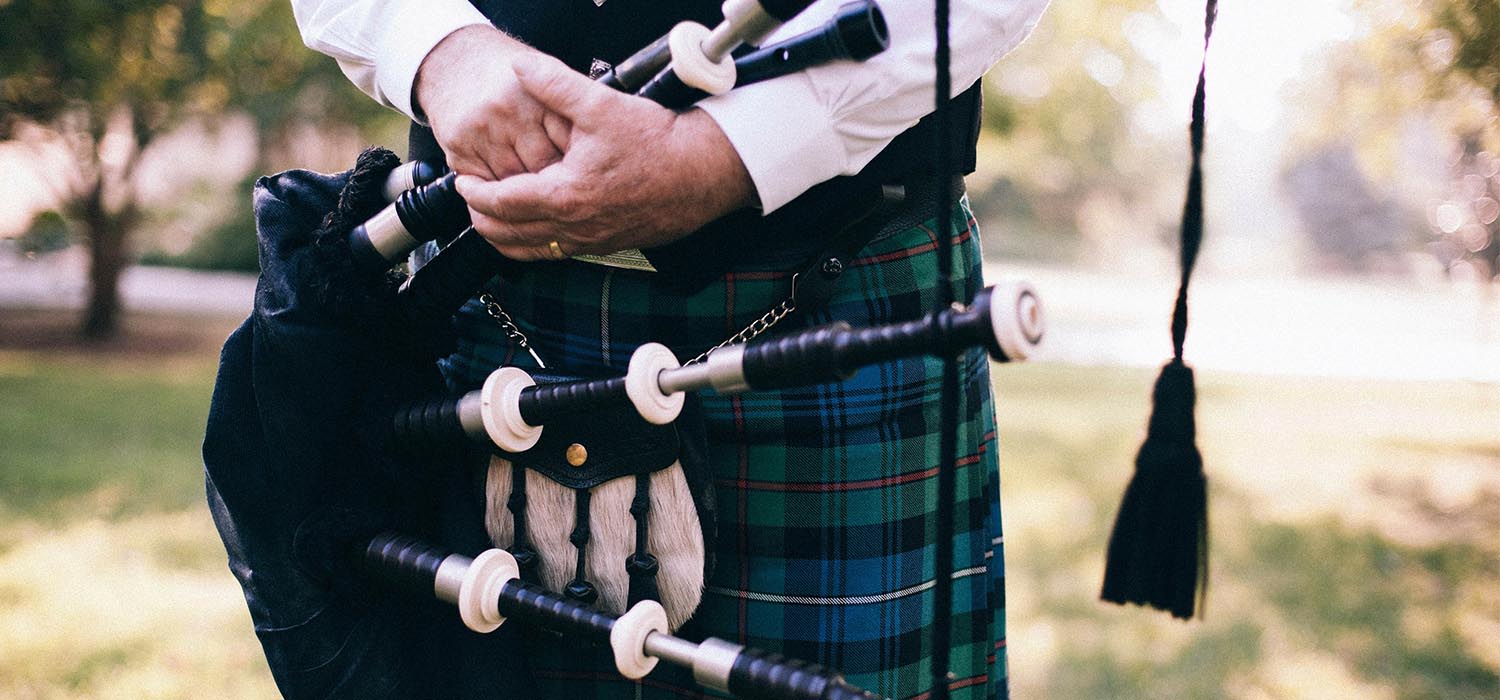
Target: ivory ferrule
[[714, 661], [450, 577], [388, 236]]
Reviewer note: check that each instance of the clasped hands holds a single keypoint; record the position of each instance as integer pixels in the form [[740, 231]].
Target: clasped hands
[[546, 155]]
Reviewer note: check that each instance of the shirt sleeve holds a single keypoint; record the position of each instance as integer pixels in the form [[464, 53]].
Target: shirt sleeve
[[799, 130], [379, 44]]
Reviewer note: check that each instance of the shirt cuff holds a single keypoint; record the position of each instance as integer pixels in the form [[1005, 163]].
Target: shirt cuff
[[782, 133], [409, 36]]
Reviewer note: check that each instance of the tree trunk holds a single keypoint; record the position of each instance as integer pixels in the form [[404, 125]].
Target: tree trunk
[[106, 236]]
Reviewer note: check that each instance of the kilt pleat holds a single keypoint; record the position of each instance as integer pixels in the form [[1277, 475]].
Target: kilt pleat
[[826, 494]]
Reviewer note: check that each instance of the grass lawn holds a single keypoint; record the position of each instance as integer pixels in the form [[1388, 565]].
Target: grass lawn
[[1354, 526]]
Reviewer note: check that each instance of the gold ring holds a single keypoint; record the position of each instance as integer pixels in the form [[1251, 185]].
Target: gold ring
[[557, 251]]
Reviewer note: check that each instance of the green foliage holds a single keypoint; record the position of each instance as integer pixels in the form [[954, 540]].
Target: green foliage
[[231, 245], [1419, 67], [1474, 28], [1064, 160], [105, 79], [161, 61], [47, 232]]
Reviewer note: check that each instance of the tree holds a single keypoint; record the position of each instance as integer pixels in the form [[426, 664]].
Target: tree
[[1073, 171], [99, 81], [1433, 66], [1467, 36]]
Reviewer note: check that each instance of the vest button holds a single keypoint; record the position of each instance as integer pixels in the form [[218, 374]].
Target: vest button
[[577, 454]]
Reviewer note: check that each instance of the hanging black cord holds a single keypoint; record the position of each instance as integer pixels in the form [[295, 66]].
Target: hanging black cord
[[1192, 209], [942, 593]]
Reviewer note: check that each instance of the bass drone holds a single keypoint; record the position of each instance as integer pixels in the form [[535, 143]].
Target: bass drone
[[487, 590], [688, 64]]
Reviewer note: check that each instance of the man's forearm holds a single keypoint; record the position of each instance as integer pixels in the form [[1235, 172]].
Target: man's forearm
[[379, 44]]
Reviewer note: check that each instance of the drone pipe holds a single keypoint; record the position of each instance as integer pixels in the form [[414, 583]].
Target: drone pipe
[[746, 22], [999, 320], [416, 216], [449, 279], [408, 175], [509, 411], [856, 32], [487, 591]]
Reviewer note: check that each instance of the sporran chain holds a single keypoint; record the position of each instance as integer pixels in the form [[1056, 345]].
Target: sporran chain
[[748, 333], [508, 326], [756, 327]]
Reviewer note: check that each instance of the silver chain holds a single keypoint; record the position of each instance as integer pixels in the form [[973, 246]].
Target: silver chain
[[756, 327], [508, 326], [750, 332]]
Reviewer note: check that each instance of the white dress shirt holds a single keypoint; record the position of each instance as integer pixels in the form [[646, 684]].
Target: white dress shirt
[[791, 133]]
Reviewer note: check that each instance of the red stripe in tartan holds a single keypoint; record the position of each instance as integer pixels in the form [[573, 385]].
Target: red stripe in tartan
[[744, 507], [962, 237], [955, 685], [729, 288], [837, 487]]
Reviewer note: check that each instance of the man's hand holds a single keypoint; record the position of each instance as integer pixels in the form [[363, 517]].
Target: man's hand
[[633, 174], [487, 125]]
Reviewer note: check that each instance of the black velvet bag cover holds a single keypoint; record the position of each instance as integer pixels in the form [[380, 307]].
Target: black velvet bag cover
[[283, 447]]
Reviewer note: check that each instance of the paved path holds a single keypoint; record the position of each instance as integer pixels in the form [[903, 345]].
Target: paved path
[[1388, 329], [1391, 329], [60, 280]]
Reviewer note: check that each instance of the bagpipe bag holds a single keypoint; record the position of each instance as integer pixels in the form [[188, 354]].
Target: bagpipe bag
[[284, 444]]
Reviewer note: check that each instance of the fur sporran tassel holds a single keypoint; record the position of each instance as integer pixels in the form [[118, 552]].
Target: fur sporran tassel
[[1158, 553], [675, 537]]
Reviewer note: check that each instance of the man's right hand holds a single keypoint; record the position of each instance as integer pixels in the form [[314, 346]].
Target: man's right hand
[[487, 125]]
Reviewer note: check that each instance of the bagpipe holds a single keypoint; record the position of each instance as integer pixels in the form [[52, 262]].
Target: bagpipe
[[317, 454], [316, 529]]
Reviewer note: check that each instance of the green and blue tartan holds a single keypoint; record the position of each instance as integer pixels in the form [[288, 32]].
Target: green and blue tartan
[[826, 494]]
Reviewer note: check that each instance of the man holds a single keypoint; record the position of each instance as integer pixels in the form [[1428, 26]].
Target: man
[[825, 493]]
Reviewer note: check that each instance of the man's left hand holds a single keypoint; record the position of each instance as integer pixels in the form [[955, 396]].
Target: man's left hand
[[633, 174]]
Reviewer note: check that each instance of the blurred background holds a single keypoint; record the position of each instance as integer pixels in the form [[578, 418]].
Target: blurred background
[[1346, 332]]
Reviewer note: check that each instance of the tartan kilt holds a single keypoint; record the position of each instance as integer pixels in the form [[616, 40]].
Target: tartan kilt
[[826, 494]]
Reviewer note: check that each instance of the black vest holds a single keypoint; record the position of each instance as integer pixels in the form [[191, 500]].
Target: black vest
[[579, 32]]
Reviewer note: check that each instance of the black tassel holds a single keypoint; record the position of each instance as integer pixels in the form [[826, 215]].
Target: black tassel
[[1158, 554]]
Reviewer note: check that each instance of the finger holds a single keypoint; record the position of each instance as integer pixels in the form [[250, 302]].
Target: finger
[[503, 161], [533, 234], [559, 130], [520, 198], [465, 164], [524, 253], [555, 85], [537, 151]]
